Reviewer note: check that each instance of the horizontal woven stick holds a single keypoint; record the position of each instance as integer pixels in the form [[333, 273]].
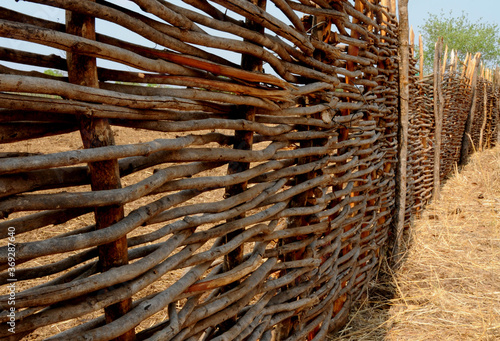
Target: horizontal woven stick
[[223, 315], [222, 250], [215, 84], [56, 293], [206, 124], [190, 221], [237, 46], [323, 12], [22, 131], [101, 198], [329, 124], [25, 84], [69, 158], [212, 207], [101, 299], [41, 219], [254, 13], [119, 15], [56, 267], [239, 328], [73, 176], [237, 224], [296, 231], [223, 70], [291, 15], [32, 103], [210, 308], [88, 47], [226, 25], [235, 274], [208, 182], [128, 19], [70, 243], [14, 116], [31, 58], [146, 308], [265, 98]]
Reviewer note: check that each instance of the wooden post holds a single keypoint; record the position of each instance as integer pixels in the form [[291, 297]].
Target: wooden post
[[243, 140], [453, 62], [485, 114], [438, 116], [352, 50], [465, 148], [466, 63], [393, 7], [404, 93], [95, 132], [412, 42], [444, 60], [496, 82], [320, 30], [421, 48]]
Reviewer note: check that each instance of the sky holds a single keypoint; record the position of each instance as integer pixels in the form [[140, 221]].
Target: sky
[[488, 10], [418, 10]]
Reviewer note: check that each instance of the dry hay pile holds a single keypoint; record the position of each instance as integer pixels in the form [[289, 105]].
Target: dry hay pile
[[448, 287]]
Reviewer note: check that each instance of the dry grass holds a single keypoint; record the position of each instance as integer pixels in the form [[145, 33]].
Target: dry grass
[[448, 287]]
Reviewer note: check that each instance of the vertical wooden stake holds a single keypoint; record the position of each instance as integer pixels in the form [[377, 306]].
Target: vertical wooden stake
[[393, 7], [385, 3], [438, 116], [485, 118], [352, 50], [496, 82], [466, 66], [404, 94], [453, 62], [465, 148], [243, 140], [421, 50], [104, 175], [444, 60], [412, 43]]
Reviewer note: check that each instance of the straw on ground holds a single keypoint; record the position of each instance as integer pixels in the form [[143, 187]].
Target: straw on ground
[[448, 287]]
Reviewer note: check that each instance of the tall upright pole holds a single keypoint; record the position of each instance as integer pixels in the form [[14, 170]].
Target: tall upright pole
[[393, 5], [496, 82], [404, 94], [104, 175], [421, 52], [243, 140], [466, 145], [438, 116]]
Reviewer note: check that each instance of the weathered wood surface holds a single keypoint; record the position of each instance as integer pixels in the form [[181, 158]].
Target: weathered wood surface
[[403, 121], [264, 210], [438, 115]]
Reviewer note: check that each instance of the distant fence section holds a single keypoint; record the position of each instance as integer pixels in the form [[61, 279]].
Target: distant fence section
[[232, 176], [470, 113]]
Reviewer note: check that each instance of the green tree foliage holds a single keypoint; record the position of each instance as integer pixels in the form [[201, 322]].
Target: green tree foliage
[[463, 36], [52, 72]]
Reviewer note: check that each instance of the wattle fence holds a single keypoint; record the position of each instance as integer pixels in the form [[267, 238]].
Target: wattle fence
[[175, 193]]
